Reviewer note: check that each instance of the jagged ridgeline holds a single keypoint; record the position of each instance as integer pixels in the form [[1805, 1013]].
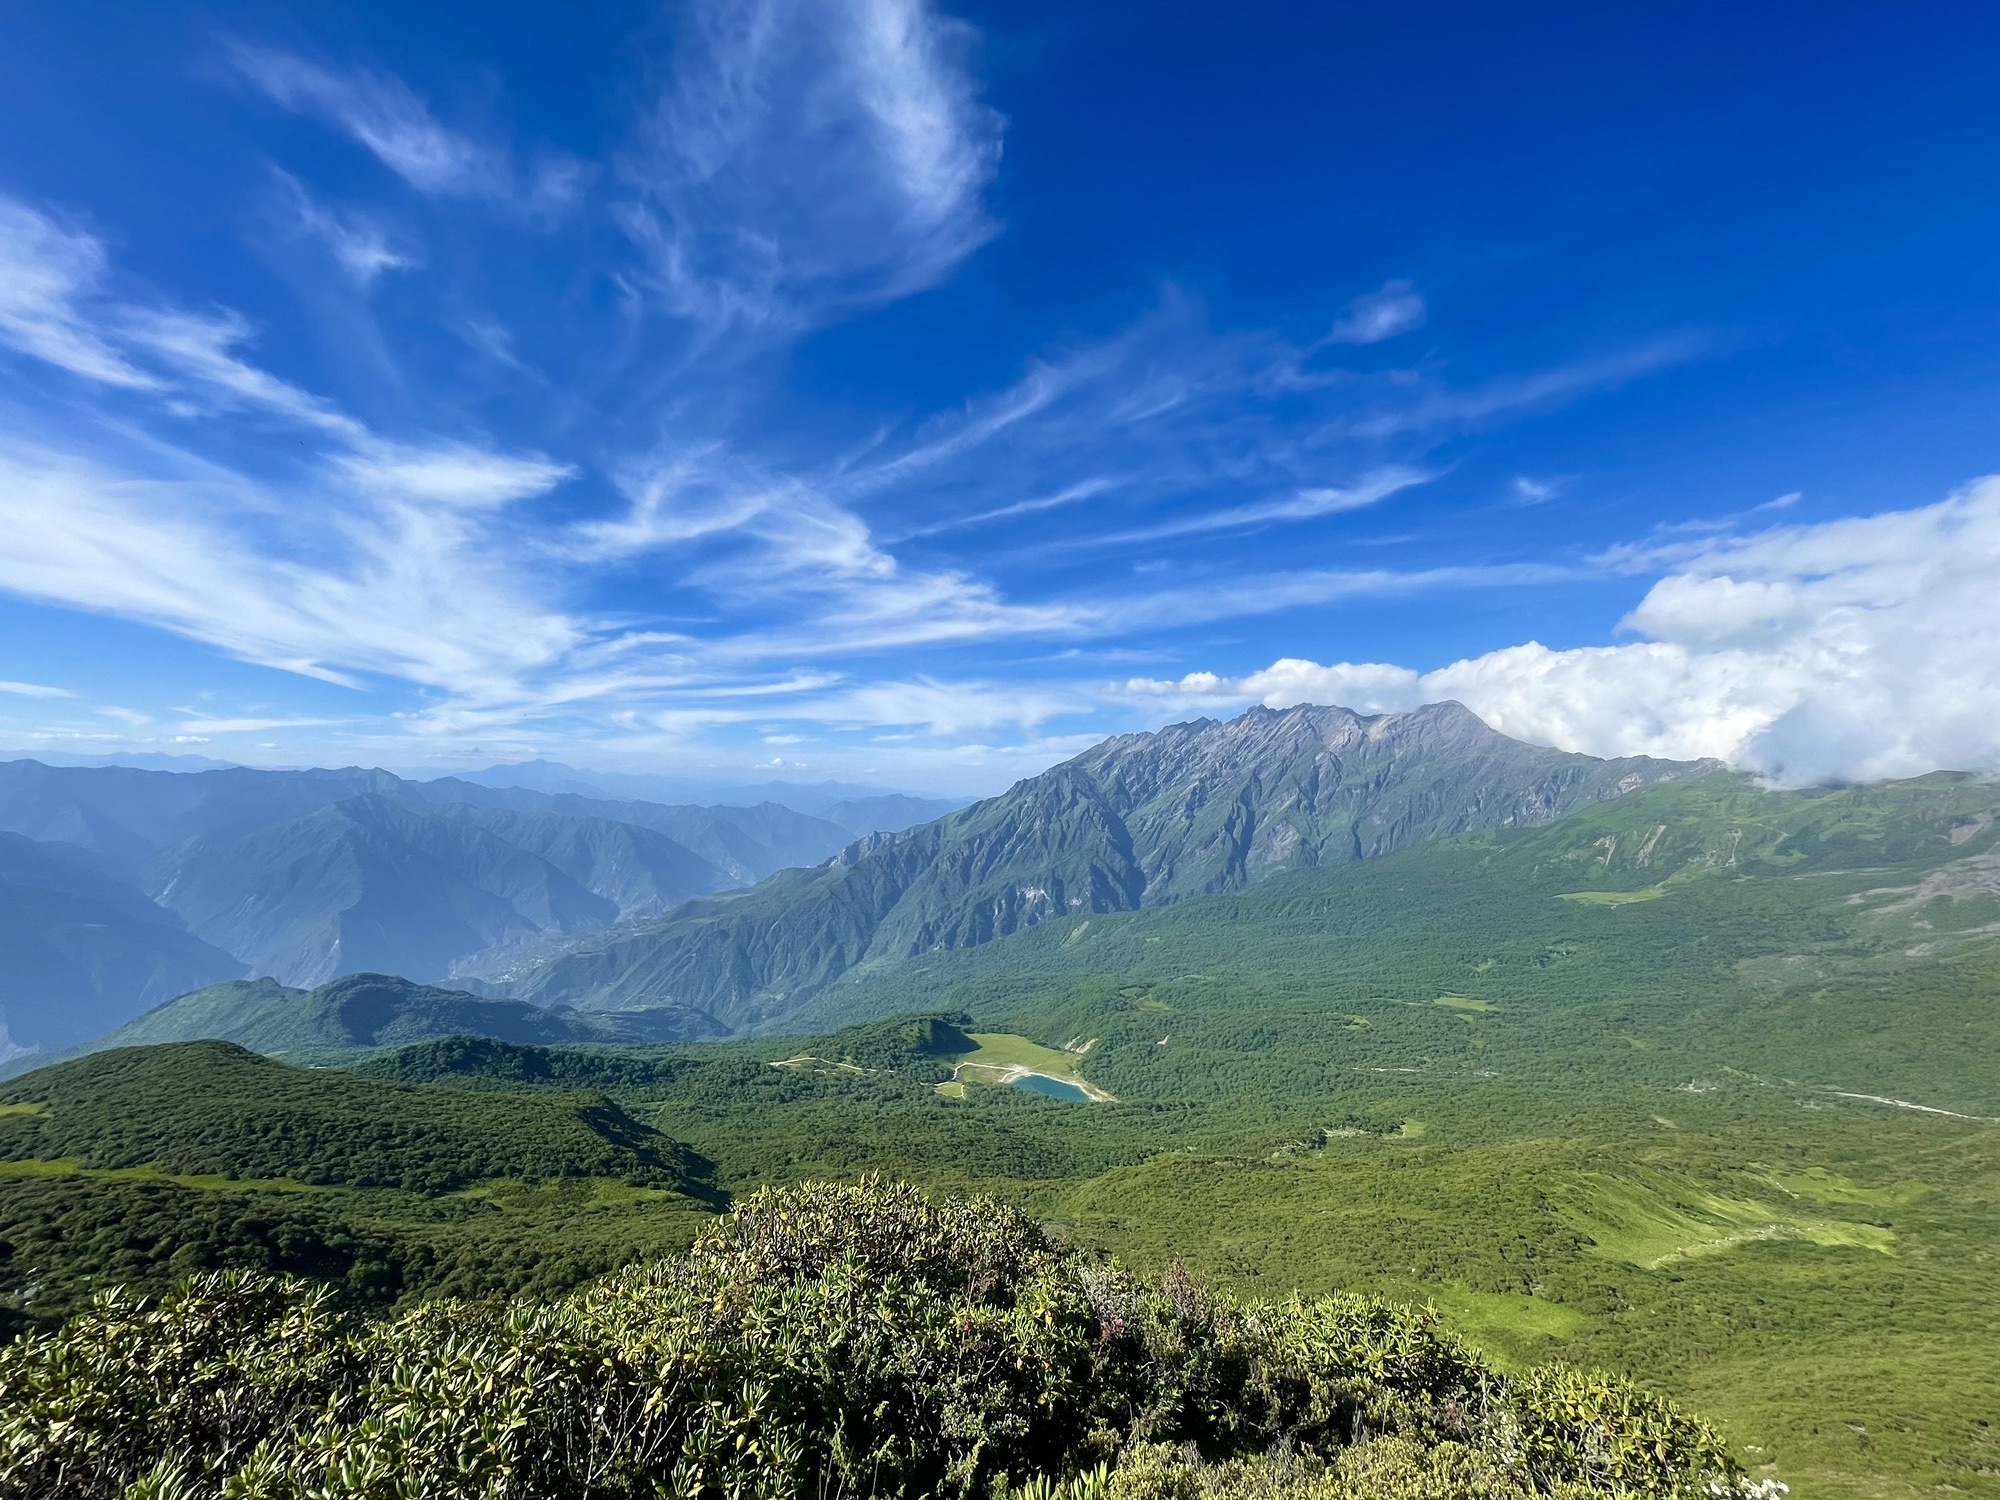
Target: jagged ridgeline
[[1141, 821], [824, 1340]]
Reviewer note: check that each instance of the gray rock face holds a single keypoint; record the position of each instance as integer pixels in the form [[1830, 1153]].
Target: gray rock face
[[1142, 820], [1214, 806]]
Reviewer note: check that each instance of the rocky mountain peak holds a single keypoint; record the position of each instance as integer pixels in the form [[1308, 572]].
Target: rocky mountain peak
[[1140, 820]]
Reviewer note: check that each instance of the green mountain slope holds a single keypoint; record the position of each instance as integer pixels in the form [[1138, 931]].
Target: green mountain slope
[[361, 1011], [1146, 820], [1698, 1083], [1691, 933], [142, 1166]]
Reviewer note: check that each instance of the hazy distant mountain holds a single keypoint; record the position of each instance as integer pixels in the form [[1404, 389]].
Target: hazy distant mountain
[[377, 1010], [125, 815], [145, 760], [1142, 820], [891, 812], [843, 801], [369, 884], [80, 950], [857, 808], [630, 863], [304, 875]]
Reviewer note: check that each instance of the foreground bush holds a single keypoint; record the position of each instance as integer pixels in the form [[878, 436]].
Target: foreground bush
[[824, 1340]]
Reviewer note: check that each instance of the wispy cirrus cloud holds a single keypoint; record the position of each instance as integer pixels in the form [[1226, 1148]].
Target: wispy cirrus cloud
[[360, 243], [1206, 431], [202, 347], [411, 596], [1073, 494], [399, 565], [1440, 408], [1306, 503], [808, 157], [384, 115], [1247, 595], [48, 273], [255, 725], [654, 558], [34, 690], [388, 571], [389, 119], [1386, 313]]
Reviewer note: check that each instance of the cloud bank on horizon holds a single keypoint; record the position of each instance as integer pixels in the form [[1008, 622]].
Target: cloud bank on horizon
[[818, 386], [1856, 649]]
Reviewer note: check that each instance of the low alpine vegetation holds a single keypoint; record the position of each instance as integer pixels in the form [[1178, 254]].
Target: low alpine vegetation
[[821, 1340]]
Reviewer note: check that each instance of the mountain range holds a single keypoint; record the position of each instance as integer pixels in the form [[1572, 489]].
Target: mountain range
[[1139, 821], [125, 887], [121, 887], [857, 808]]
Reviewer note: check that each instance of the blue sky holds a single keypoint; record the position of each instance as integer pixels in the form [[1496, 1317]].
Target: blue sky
[[917, 395]]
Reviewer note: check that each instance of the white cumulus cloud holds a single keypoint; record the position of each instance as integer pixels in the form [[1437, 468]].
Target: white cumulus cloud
[[1853, 649]]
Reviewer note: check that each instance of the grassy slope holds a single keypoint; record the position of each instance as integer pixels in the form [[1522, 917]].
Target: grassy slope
[[1840, 1323]]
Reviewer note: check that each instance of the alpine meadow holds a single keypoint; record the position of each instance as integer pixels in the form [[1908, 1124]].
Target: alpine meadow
[[856, 750]]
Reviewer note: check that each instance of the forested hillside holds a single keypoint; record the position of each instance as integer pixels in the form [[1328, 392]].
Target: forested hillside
[[212, 1108]]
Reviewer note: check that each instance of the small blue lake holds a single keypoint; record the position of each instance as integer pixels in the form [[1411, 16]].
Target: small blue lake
[[1053, 1088]]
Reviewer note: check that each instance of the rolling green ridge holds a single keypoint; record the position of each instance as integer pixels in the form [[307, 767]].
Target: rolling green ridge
[[213, 1108], [359, 1011], [142, 1166]]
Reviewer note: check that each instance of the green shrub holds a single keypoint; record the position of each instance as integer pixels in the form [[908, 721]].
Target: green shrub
[[859, 1339]]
